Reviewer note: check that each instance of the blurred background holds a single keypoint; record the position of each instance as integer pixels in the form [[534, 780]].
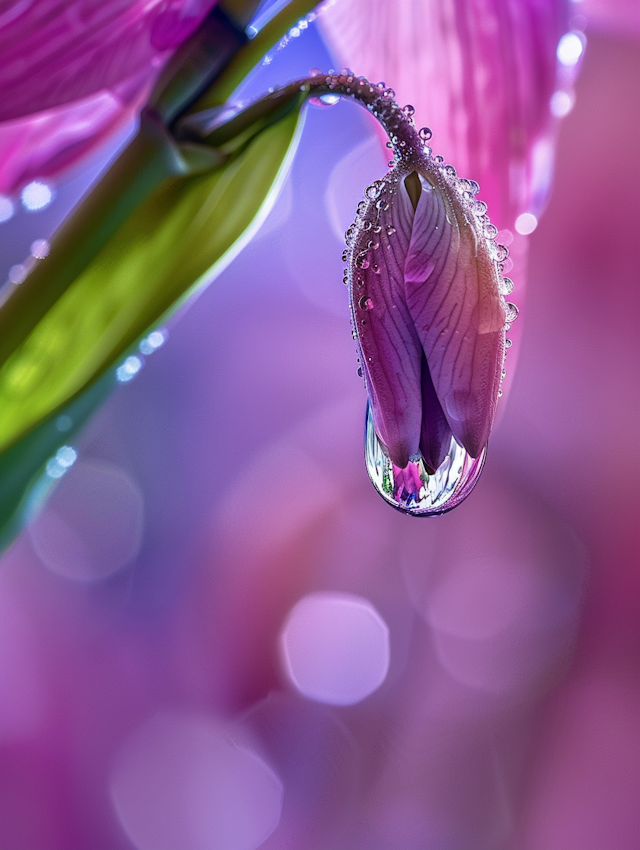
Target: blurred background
[[216, 636]]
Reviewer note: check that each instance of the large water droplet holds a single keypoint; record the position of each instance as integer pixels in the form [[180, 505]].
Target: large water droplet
[[413, 489]]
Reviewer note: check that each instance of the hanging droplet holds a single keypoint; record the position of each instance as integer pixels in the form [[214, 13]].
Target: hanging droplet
[[508, 343], [425, 133], [409, 110], [505, 286], [365, 303], [449, 170], [414, 490], [511, 312]]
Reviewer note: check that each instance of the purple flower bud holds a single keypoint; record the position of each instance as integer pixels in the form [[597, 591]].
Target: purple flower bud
[[430, 322]]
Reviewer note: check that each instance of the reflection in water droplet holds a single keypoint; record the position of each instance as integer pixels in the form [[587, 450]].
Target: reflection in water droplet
[[413, 489], [511, 312], [325, 100]]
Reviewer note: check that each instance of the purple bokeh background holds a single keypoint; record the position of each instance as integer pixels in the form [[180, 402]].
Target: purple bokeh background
[[170, 675]]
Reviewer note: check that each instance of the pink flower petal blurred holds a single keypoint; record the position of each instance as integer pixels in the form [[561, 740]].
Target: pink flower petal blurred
[[481, 73], [57, 51], [51, 142], [74, 74]]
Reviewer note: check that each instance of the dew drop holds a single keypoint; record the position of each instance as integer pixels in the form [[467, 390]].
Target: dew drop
[[365, 303], [359, 371], [425, 134], [390, 230], [388, 94], [439, 159], [506, 286], [325, 100], [479, 208], [450, 171], [502, 252], [490, 231], [511, 312], [409, 110], [315, 72], [508, 343], [413, 489]]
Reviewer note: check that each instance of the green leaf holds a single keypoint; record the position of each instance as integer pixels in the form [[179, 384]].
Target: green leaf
[[176, 242]]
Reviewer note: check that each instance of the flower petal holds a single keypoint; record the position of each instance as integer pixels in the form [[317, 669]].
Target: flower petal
[[56, 51], [451, 289], [390, 349], [480, 72], [435, 434], [50, 143]]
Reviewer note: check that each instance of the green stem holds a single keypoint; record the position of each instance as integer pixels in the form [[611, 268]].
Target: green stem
[[149, 159], [248, 56]]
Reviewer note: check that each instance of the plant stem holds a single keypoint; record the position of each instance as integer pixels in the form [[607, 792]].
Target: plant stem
[[248, 56]]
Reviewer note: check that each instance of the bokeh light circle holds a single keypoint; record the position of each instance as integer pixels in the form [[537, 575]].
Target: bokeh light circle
[[335, 648]]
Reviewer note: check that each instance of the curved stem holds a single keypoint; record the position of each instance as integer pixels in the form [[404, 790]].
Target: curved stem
[[218, 128]]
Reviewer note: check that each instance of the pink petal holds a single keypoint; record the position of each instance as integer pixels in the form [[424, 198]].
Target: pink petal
[[52, 142], [451, 287], [56, 51], [390, 348], [479, 72]]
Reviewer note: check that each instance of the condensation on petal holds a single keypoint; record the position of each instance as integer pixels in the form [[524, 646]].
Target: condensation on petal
[[390, 349], [452, 295]]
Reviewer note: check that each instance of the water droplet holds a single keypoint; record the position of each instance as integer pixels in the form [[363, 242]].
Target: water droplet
[[502, 252], [490, 231], [366, 225], [325, 100], [450, 171], [36, 196], [365, 303], [359, 371], [377, 229], [475, 187], [372, 192], [479, 208], [315, 72], [345, 256], [390, 230], [18, 273], [129, 369], [413, 489], [508, 343], [153, 342], [409, 110], [40, 249], [425, 134], [388, 94], [382, 205], [506, 286], [511, 312], [362, 262], [439, 159]]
